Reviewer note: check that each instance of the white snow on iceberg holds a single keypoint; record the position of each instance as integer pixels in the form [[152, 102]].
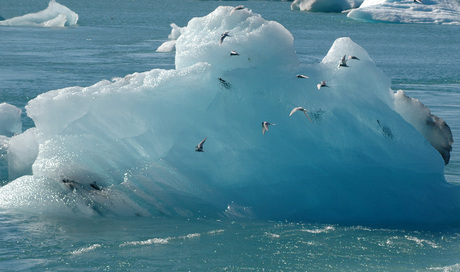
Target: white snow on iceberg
[[127, 146], [405, 11], [325, 5], [55, 15]]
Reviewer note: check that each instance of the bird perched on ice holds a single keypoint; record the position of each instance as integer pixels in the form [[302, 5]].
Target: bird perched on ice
[[343, 61], [234, 53], [240, 7], [322, 84], [265, 126], [199, 147], [223, 36], [300, 109], [302, 76]]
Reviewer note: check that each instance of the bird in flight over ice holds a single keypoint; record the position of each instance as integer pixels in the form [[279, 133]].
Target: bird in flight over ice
[[223, 36], [343, 61], [322, 84], [234, 53], [302, 76], [199, 147], [300, 109], [418, 1], [265, 126]]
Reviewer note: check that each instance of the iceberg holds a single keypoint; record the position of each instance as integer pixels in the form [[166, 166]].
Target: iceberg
[[10, 125], [10, 120], [170, 45], [126, 146], [55, 15], [325, 5], [401, 11]]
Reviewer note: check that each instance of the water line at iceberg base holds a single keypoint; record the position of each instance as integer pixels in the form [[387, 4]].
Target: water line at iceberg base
[[126, 147]]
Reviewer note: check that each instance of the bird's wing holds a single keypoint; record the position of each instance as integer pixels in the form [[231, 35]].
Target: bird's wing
[[202, 142], [307, 115], [318, 86], [293, 110]]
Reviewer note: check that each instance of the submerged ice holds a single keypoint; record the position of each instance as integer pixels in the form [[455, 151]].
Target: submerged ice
[[127, 146], [55, 15]]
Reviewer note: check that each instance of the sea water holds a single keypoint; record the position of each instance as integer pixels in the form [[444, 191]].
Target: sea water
[[116, 38]]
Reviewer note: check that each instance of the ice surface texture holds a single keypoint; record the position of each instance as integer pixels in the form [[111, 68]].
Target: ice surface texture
[[127, 146], [56, 15], [404, 11]]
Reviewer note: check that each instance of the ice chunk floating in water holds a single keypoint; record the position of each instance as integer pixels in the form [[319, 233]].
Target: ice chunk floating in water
[[170, 45], [56, 15], [325, 5], [127, 146], [405, 11]]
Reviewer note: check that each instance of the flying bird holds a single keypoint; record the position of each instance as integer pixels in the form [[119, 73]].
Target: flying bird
[[240, 7], [302, 76], [322, 84], [223, 36], [199, 147], [418, 1], [265, 126], [343, 61], [234, 53], [300, 109]]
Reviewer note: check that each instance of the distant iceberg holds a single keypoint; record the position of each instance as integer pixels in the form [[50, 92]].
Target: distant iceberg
[[56, 15], [170, 45], [126, 147], [407, 11], [325, 5]]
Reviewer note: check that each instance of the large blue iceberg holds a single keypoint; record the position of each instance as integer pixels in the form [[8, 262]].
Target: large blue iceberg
[[55, 15], [126, 146], [405, 11]]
